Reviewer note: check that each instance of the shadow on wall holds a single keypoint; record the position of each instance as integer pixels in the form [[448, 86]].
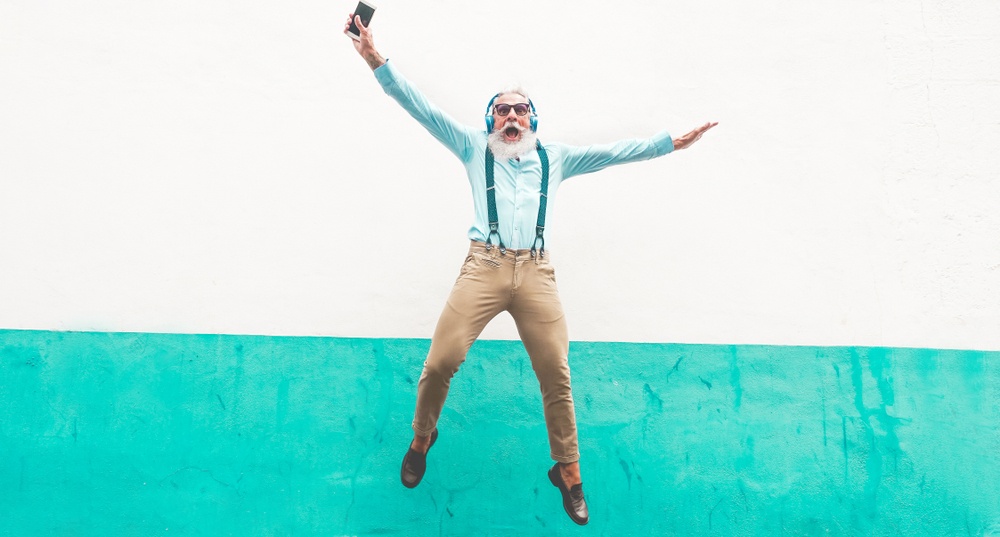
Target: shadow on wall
[[138, 434]]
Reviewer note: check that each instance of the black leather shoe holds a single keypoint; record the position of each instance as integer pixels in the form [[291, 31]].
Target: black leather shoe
[[573, 501], [415, 464]]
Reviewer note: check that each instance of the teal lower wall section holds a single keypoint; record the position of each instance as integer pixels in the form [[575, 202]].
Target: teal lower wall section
[[118, 434]]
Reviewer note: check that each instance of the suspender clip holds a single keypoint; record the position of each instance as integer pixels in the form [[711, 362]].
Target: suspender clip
[[538, 253], [489, 239]]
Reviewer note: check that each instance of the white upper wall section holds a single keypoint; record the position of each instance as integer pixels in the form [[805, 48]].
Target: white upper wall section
[[233, 167]]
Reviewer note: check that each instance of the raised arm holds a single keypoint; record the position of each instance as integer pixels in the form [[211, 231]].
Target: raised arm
[[458, 138], [365, 46]]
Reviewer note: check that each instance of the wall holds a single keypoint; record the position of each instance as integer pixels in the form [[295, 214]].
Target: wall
[[149, 434], [232, 167], [759, 323]]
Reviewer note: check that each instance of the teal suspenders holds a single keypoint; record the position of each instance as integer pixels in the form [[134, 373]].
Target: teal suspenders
[[542, 201], [491, 204]]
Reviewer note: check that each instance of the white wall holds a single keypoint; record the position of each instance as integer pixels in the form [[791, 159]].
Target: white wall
[[208, 166]]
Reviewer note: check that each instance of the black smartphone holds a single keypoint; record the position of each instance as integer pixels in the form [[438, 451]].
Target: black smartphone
[[365, 10]]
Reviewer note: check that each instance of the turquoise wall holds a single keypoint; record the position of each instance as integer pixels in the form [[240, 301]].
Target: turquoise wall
[[117, 434]]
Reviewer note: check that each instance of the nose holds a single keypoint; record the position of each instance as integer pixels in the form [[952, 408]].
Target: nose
[[512, 116]]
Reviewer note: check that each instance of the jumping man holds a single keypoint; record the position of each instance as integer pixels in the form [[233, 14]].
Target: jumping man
[[513, 176]]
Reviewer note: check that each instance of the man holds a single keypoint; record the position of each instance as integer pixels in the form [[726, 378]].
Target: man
[[507, 268]]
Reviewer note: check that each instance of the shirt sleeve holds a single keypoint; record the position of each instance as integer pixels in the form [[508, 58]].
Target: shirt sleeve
[[454, 135], [581, 160]]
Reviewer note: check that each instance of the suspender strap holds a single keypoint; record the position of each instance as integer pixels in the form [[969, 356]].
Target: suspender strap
[[491, 204], [542, 201]]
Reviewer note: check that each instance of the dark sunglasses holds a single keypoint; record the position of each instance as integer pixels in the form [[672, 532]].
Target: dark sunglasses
[[520, 109]]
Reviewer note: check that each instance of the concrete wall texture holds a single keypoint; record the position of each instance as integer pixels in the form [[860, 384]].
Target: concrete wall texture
[[233, 167], [156, 434]]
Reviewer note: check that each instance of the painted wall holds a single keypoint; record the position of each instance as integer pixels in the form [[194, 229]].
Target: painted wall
[[232, 167], [155, 434]]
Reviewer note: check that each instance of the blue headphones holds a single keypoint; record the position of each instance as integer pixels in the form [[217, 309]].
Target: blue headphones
[[489, 115]]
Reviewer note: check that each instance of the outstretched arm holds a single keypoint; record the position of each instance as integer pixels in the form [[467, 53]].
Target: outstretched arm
[[581, 160], [692, 137], [365, 46]]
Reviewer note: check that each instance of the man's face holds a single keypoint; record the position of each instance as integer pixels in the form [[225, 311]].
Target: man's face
[[505, 123]]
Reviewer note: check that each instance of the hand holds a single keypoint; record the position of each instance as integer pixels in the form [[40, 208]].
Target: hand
[[365, 45], [692, 137]]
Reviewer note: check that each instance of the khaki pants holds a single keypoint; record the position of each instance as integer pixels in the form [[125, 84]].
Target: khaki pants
[[488, 284]]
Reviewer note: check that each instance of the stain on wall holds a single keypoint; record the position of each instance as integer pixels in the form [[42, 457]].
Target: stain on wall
[[143, 434]]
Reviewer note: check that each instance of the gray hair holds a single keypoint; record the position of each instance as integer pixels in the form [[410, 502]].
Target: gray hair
[[514, 88]]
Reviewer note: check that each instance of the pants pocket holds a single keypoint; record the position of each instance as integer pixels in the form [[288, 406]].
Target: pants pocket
[[485, 260]]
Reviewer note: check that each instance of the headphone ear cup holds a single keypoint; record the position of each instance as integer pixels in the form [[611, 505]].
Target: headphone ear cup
[[489, 114], [534, 123]]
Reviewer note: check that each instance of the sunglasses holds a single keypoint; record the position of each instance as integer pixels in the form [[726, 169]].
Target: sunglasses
[[520, 109]]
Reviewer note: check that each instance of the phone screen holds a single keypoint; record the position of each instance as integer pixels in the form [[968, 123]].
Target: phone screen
[[365, 12]]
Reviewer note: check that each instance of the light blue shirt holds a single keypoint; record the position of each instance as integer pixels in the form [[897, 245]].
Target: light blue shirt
[[517, 181]]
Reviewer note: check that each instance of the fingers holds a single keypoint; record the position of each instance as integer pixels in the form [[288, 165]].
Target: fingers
[[693, 136], [706, 126], [356, 19], [362, 29], [696, 134]]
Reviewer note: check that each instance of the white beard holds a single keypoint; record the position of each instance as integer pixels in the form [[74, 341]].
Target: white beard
[[504, 150]]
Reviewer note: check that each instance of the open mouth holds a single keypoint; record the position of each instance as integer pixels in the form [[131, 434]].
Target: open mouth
[[511, 133]]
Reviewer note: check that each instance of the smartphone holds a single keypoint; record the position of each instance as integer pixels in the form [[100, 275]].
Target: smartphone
[[365, 10]]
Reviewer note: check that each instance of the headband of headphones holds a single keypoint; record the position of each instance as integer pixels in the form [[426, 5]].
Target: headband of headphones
[[489, 115]]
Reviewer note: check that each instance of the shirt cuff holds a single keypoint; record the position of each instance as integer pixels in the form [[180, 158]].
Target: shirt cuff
[[386, 73], [663, 142]]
